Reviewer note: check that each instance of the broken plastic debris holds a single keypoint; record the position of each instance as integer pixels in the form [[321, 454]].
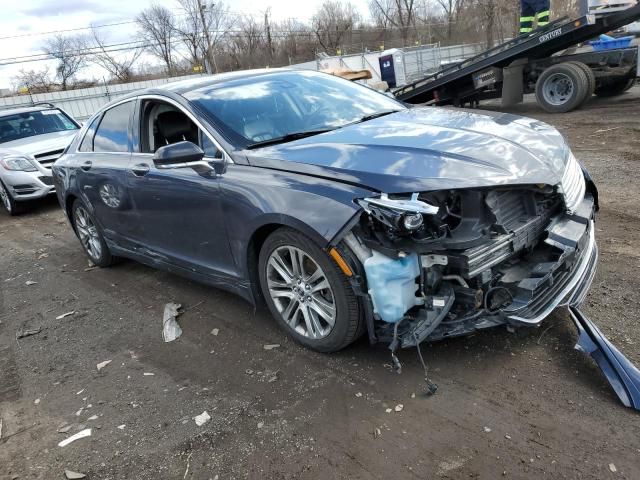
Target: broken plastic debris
[[271, 346], [215, 332], [36, 401], [399, 407], [358, 394], [30, 282], [28, 332], [64, 429], [81, 434], [487, 430], [101, 365], [170, 328], [388, 410], [507, 436], [121, 427], [202, 418], [93, 417], [260, 424], [376, 432], [148, 374], [60, 317], [613, 468], [71, 475], [79, 412], [78, 393]]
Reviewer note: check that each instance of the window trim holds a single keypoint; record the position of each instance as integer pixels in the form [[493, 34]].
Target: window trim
[[225, 155]]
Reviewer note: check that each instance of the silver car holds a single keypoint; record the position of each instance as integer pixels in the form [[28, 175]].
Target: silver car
[[31, 139]]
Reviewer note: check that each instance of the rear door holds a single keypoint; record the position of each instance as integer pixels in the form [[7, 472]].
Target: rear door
[[103, 162]]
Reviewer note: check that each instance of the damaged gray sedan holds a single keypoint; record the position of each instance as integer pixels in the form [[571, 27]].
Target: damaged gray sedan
[[344, 210]]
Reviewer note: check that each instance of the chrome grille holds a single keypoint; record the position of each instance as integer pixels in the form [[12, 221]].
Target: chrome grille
[[573, 185], [46, 159]]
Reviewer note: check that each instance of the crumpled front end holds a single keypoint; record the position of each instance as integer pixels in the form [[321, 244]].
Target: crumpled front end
[[444, 264]]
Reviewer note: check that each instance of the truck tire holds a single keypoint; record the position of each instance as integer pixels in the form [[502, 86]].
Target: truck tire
[[591, 79], [615, 88], [562, 88]]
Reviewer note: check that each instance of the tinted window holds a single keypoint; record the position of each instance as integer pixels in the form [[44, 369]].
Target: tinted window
[[113, 132], [29, 124], [87, 141]]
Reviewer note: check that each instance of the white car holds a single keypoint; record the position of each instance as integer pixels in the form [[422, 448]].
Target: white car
[[31, 139]]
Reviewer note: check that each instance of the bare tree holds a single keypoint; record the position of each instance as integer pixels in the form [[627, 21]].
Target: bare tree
[[333, 23], [69, 52], [118, 62], [204, 28], [157, 26], [35, 81], [398, 13], [452, 9], [246, 45]]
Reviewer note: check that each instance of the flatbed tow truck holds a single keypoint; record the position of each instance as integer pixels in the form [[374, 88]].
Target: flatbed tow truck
[[547, 62]]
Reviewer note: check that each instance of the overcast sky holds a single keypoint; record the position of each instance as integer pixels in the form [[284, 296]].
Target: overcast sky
[[27, 19]]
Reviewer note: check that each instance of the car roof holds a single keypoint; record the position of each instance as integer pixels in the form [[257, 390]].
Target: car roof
[[184, 86], [13, 111]]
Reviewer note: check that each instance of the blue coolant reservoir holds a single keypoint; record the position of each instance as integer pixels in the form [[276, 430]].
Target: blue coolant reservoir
[[392, 284]]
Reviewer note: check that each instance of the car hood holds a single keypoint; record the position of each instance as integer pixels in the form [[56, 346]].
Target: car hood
[[38, 144], [422, 149]]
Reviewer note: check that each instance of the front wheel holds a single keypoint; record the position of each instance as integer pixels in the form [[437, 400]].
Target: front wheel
[[90, 236], [10, 205], [307, 293]]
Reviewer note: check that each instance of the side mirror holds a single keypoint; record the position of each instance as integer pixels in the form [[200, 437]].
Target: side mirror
[[178, 155]]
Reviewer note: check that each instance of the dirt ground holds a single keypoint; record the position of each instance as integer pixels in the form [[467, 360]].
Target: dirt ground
[[512, 405]]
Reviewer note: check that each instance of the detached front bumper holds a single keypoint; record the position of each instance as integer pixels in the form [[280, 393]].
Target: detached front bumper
[[25, 186]]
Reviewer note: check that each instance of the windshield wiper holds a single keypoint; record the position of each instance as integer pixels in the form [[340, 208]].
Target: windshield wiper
[[371, 116], [288, 137]]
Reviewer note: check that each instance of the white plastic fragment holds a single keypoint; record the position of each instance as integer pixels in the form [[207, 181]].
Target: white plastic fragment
[[79, 392], [101, 365], [170, 328], [30, 282], [389, 410], [36, 401], [215, 332], [399, 407], [71, 475], [271, 346], [358, 394], [260, 424], [202, 418], [81, 434], [487, 430], [93, 417], [60, 317], [121, 427], [613, 468], [64, 429], [148, 374]]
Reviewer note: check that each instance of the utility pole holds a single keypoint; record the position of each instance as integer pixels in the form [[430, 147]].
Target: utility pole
[[211, 61]]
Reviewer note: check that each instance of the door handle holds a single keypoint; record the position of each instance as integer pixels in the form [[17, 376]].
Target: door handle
[[86, 166], [140, 169]]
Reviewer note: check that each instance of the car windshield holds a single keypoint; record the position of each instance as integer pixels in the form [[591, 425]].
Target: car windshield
[[29, 124], [285, 105]]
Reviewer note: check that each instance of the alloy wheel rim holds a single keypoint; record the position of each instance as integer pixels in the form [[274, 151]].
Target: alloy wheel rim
[[88, 233], [4, 195], [301, 292], [557, 89]]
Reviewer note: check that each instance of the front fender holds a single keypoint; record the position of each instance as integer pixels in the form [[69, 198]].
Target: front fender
[[255, 197]]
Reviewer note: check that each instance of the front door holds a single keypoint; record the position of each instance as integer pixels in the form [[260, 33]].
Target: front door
[[179, 209]]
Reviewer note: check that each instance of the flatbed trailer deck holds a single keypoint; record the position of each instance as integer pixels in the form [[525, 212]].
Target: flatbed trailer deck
[[527, 64]]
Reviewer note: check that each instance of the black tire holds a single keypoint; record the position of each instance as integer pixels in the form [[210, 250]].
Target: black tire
[[348, 322], [104, 258], [561, 88], [615, 88], [7, 202], [591, 79]]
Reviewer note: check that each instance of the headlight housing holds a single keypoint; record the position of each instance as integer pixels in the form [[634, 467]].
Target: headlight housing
[[18, 164]]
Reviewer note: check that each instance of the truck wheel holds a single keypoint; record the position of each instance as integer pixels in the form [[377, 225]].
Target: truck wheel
[[615, 88], [591, 79], [561, 88]]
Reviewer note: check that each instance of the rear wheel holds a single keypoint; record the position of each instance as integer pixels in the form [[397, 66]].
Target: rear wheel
[[10, 205], [562, 88], [307, 293], [591, 79], [617, 87], [90, 236]]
